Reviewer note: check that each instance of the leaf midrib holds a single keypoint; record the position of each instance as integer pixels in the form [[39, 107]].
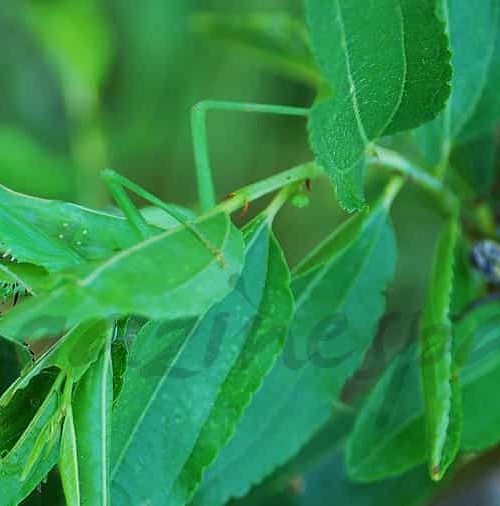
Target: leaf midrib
[[284, 400], [352, 84], [250, 332]]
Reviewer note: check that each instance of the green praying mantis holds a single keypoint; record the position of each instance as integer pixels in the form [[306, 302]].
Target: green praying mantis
[[76, 261]]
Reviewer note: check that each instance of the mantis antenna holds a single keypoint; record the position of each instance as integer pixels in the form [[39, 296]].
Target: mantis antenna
[[206, 190]]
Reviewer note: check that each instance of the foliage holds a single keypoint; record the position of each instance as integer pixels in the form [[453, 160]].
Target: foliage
[[169, 354]]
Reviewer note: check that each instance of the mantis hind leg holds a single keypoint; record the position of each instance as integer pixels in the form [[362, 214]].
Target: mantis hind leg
[[206, 190]]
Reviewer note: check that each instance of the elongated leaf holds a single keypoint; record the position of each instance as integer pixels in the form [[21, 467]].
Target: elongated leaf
[[374, 91], [181, 400], [473, 33], [278, 39], [23, 468], [339, 293], [390, 430], [156, 286], [441, 398], [92, 423], [377, 452], [68, 460]]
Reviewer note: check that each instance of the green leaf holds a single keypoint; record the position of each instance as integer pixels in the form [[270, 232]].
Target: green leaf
[[339, 294], [57, 235], [277, 38], [374, 91], [441, 395], [188, 382], [428, 69], [473, 34], [388, 434], [92, 423], [155, 288], [389, 431], [78, 353]]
